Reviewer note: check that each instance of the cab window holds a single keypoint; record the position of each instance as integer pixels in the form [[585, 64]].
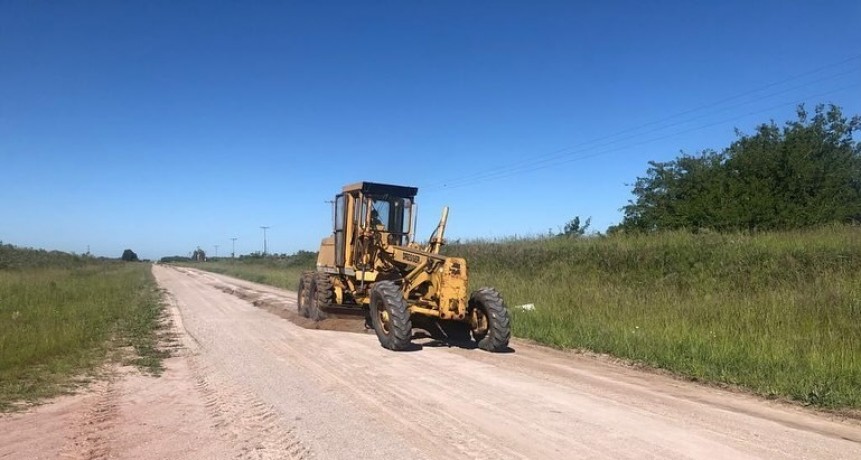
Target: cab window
[[380, 214]]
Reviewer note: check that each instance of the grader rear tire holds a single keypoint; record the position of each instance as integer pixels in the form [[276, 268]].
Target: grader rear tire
[[489, 307], [303, 294], [390, 316], [322, 296]]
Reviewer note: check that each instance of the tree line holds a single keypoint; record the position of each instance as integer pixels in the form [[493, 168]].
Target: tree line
[[805, 173]]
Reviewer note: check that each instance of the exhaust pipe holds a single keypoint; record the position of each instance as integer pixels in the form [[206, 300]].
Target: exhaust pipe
[[437, 242]]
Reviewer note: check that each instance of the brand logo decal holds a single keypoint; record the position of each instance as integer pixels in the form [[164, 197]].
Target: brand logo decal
[[412, 258]]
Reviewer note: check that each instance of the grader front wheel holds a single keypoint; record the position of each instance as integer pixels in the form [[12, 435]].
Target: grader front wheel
[[491, 327], [390, 316]]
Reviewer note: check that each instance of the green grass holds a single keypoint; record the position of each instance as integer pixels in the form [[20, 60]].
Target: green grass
[[273, 272], [778, 313], [59, 323], [13, 258]]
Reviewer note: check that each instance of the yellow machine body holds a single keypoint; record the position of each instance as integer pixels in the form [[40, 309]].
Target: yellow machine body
[[373, 240]]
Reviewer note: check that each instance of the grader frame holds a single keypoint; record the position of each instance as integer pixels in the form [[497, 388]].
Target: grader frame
[[371, 261]]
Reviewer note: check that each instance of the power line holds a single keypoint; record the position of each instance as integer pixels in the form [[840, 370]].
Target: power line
[[560, 153], [544, 165], [567, 152], [504, 175], [564, 151]]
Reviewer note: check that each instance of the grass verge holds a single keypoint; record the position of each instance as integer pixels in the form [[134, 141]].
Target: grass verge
[[258, 271], [777, 313], [58, 324]]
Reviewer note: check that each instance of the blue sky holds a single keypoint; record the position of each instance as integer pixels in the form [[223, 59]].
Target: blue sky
[[163, 126]]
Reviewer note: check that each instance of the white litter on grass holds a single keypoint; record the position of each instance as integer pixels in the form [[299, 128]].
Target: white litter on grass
[[526, 307]]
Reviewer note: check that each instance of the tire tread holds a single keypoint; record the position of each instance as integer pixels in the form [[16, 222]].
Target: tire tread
[[400, 325], [498, 322]]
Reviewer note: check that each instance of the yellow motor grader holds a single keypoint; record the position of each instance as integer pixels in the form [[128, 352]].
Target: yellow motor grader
[[372, 262]]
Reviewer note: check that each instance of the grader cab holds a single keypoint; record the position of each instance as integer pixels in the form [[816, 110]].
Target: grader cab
[[371, 261]]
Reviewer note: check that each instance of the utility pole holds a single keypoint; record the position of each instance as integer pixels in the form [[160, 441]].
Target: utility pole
[[264, 239], [233, 248], [216, 251]]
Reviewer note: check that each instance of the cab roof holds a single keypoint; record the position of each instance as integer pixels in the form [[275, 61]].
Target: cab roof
[[373, 188]]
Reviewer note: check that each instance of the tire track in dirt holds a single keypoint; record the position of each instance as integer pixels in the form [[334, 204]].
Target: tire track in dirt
[[403, 408], [89, 442], [344, 321], [394, 402], [244, 421]]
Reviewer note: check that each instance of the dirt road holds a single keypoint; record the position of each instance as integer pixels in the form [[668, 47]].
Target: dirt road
[[251, 384]]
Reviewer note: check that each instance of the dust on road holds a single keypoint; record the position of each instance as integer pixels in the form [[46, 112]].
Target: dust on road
[[251, 385]]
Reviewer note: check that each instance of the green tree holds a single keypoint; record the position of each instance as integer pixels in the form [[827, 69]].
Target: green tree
[[574, 229], [806, 173], [130, 256], [198, 255]]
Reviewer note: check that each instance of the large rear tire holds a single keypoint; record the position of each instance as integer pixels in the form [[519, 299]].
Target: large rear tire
[[322, 296], [390, 316], [493, 326], [303, 294]]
